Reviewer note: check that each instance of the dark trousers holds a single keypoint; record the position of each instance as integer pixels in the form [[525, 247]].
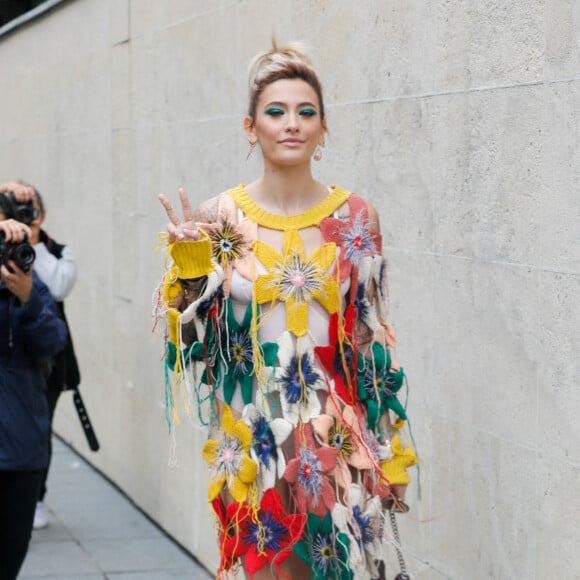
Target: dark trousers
[[52, 394], [18, 495]]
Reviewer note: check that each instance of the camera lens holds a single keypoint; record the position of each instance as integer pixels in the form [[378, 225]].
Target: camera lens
[[26, 213], [23, 256]]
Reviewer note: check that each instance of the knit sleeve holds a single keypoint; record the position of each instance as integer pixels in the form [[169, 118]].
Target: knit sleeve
[[186, 302], [381, 380]]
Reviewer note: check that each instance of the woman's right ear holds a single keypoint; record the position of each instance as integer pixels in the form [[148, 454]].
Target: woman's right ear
[[249, 129]]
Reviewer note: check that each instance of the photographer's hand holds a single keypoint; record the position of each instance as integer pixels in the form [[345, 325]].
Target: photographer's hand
[[176, 229], [17, 281], [23, 193], [14, 231]]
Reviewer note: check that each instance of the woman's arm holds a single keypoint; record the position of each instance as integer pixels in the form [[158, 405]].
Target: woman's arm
[[59, 274], [192, 274], [45, 333]]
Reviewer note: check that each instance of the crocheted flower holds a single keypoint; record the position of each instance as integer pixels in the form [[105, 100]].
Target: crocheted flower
[[239, 355], [309, 473], [228, 456], [354, 236], [230, 531], [325, 549], [395, 469], [270, 534], [378, 384], [342, 431], [296, 379], [379, 451], [338, 357], [371, 298], [229, 244], [267, 439], [362, 524], [296, 279]]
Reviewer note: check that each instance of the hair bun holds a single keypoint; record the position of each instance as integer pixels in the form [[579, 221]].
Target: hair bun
[[289, 61], [277, 57]]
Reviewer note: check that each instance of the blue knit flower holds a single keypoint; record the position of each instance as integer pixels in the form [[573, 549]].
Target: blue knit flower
[[298, 376], [297, 379], [364, 533], [267, 438], [362, 524], [267, 532]]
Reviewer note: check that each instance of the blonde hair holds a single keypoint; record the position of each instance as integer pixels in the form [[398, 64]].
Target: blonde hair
[[288, 61]]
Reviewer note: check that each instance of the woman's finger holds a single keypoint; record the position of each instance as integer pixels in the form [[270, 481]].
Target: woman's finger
[[192, 234], [173, 233], [169, 209], [185, 205]]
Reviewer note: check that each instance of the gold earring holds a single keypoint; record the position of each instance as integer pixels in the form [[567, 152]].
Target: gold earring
[[317, 153]]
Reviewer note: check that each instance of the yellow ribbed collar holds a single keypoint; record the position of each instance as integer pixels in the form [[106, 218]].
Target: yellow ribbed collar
[[311, 217]]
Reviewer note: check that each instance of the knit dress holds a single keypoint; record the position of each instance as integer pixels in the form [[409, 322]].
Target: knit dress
[[276, 330]]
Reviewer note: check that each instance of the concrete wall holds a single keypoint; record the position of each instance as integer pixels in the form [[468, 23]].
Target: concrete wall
[[459, 120]]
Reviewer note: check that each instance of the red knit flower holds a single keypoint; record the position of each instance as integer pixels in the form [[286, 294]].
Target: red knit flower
[[231, 519], [309, 473], [269, 534], [338, 358]]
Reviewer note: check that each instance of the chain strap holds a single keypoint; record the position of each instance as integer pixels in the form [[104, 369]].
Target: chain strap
[[403, 575]]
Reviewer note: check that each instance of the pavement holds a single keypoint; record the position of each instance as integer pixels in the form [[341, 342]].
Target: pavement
[[96, 532]]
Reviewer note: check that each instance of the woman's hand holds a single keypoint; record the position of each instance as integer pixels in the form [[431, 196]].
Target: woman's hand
[[178, 230]]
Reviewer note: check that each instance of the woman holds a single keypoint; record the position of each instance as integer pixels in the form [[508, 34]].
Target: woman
[[277, 288], [30, 329]]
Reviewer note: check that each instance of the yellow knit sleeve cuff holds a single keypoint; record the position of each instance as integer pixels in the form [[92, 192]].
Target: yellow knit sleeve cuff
[[173, 326], [172, 287], [192, 257]]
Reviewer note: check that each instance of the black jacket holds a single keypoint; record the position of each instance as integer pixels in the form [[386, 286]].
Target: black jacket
[[65, 373]]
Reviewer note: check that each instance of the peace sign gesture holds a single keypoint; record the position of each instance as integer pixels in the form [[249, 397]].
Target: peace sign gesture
[[177, 229]]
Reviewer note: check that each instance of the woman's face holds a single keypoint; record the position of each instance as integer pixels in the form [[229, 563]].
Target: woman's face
[[287, 125]]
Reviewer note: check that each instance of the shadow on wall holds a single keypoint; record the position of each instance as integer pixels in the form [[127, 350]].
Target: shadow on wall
[[11, 9]]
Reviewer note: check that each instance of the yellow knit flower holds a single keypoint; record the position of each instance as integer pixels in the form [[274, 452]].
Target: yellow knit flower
[[229, 459], [296, 279], [395, 469]]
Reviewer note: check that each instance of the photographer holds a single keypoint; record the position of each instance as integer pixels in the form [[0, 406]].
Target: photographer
[[30, 329], [56, 267]]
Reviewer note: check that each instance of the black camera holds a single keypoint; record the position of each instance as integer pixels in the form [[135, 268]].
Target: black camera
[[23, 212], [22, 253]]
